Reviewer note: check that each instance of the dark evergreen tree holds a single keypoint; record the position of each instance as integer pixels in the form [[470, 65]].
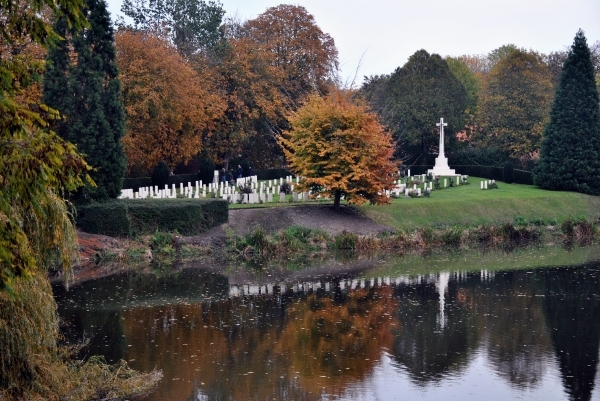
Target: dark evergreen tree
[[570, 150], [82, 83], [412, 100]]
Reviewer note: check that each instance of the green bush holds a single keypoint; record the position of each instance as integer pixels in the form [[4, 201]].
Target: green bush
[[160, 175], [272, 173], [345, 240], [124, 218]]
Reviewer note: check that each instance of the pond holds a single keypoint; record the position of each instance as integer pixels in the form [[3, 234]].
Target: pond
[[492, 325]]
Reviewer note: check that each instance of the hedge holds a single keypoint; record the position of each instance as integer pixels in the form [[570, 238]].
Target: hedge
[[272, 173], [137, 183], [489, 172], [128, 218], [522, 177]]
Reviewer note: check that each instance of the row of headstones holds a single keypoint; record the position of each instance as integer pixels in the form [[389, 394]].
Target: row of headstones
[[264, 197], [199, 190], [402, 185], [486, 184], [187, 191]]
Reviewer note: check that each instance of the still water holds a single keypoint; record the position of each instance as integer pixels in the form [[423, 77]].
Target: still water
[[499, 325]]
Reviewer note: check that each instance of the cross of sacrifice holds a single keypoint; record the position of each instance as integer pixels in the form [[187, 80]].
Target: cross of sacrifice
[[441, 124]]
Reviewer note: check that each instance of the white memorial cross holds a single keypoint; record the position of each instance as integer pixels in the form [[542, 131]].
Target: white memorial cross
[[441, 124]]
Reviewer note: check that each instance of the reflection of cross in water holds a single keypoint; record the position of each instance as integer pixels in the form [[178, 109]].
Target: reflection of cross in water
[[441, 124], [442, 285]]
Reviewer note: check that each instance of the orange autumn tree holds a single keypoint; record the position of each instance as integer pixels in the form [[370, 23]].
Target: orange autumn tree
[[339, 148], [168, 104], [248, 85]]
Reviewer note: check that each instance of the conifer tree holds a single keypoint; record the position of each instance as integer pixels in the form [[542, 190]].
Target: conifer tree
[[81, 82], [570, 149]]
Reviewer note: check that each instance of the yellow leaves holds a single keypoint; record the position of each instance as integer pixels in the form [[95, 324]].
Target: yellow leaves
[[338, 145]]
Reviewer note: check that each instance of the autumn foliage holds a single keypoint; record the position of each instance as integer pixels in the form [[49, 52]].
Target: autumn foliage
[[168, 104], [305, 55], [339, 148]]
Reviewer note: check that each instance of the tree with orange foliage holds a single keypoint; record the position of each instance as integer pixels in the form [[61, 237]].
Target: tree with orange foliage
[[305, 55], [339, 148], [248, 84], [168, 104]]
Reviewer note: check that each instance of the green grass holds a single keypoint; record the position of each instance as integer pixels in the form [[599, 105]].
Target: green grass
[[468, 205]]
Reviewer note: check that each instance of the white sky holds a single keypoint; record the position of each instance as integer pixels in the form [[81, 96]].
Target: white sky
[[387, 32]]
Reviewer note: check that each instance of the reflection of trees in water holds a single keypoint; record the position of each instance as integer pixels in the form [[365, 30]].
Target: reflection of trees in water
[[290, 347], [293, 345], [511, 314], [426, 349], [501, 313], [572, 307]]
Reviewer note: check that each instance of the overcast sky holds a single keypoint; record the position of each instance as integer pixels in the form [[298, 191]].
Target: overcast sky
[[385, 32]]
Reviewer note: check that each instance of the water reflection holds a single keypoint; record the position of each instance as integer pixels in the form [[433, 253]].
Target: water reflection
[[348, 336]]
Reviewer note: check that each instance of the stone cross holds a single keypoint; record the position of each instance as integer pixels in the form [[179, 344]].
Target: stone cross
[[441, 124]]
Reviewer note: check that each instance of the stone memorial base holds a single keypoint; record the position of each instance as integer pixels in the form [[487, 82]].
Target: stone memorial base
[[441, 167]]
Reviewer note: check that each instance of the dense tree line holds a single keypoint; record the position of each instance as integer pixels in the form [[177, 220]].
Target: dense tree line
[[497, 104], [253, 74]]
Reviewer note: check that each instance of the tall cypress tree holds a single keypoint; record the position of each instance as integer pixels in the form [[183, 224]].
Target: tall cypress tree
[[570, 149], [82, 83]]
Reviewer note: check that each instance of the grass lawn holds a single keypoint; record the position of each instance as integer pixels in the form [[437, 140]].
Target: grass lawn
[[469, 205]]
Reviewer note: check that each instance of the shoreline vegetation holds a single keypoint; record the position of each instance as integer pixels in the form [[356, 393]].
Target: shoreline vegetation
[[461, 216], [298, 245], [296, 241]]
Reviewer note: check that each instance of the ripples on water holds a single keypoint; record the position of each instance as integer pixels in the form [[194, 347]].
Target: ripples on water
[[492, 326]]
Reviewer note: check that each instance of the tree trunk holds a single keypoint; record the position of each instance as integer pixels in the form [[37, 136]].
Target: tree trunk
[[227, 156], [336, 199]]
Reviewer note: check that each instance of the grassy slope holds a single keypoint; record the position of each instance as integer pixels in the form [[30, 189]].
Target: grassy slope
[[469, 205]]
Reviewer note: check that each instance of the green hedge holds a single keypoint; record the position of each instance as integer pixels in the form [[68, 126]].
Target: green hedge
[[184, 179], [522, 177], [271, 173], [137, 183], [489, 172], [127, 218]]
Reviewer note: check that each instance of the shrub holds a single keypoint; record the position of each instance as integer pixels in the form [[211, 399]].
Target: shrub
[[286, 187], [300, 233], [245, 189], [122, 218], [160, 174], [345, 240], [451, 236], [258, 240]]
